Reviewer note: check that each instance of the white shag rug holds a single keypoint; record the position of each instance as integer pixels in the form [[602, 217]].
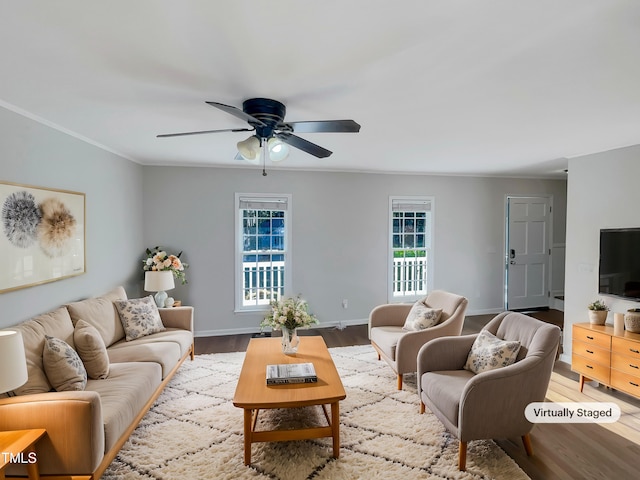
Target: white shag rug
[[194, 432]]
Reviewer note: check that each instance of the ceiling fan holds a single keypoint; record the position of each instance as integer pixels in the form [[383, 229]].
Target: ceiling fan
[[266, 118]]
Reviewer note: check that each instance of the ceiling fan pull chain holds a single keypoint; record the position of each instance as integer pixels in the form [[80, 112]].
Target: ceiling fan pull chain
[[265, 152]]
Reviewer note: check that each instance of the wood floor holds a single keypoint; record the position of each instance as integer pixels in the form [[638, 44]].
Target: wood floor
[[561, 451]]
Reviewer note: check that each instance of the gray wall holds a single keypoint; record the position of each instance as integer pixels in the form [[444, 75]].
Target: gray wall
[[602, 193], [340, 229], [37, 155]]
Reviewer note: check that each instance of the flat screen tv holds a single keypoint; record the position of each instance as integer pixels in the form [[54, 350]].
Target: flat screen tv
[[619, 266]]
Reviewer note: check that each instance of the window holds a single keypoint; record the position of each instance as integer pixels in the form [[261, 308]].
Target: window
[[410, 253], [262, 255]]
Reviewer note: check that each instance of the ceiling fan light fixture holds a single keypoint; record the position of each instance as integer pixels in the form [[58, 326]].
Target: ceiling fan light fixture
[[250, 148], [278, 150]]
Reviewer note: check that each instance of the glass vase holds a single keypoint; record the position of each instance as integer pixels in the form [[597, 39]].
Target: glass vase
[[290, 341]]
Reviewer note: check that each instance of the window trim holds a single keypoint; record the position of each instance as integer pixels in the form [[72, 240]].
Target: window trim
[[430, 249], [238, 274]]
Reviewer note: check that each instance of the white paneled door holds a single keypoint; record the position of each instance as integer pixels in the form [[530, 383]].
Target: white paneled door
[[528, 253]]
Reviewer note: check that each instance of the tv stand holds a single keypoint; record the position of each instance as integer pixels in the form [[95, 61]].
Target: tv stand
[[607, 355]]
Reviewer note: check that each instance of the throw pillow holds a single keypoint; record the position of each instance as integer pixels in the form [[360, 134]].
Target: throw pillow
[[421, 316], [139, 317], [62, 365], [91, 349], [489, 352]]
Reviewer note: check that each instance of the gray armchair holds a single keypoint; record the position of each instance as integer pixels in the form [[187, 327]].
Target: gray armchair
[[490, 404], [399, 348]]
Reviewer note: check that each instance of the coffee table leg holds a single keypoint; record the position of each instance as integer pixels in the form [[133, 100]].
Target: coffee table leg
[[247, 436], [335, 427]]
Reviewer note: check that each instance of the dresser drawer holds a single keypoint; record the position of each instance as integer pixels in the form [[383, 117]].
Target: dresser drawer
[[625, 382], [625, 364], [589, 369], [591, 337], [591, 352], [626, 347]]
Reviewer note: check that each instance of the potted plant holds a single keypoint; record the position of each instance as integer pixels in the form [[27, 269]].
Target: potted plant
[[597, 312]]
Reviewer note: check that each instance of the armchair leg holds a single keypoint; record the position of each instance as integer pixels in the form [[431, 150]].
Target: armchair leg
[[399, 381], [526, 440], [462, 456], [422, 407]]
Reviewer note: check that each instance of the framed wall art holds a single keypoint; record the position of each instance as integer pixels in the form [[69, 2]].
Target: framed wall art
[[42, 237]]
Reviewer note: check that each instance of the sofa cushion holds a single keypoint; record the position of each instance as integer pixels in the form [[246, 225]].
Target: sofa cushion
[[421, 316], [165, 348], [56, 323], [123, 395], [92, 350], [489, 352], [139, 317], [63, 366], [101, 313]]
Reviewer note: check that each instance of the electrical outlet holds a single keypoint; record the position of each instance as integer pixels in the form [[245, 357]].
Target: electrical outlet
[[345, 303]]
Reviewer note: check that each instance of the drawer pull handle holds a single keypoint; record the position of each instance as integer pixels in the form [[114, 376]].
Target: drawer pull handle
[[590, 338], [589, 366], [589, 351], [634, 351], [634, 384]]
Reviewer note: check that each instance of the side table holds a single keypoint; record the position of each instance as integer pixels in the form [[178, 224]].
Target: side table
[[20, 444]]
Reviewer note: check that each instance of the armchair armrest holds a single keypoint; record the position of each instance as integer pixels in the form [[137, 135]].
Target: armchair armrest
[[444, 353], [75, 434], [493, 402], [411, 343], [390, 314], [177, 317]]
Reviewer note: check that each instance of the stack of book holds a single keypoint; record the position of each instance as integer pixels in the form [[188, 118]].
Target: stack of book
[[291, 373]]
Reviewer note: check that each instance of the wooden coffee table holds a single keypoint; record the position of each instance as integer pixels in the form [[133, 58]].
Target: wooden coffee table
[[252, 393]]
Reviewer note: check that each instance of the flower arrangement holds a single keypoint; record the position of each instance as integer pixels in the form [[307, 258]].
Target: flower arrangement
[[290, 313], [598, 306], [158, 260]]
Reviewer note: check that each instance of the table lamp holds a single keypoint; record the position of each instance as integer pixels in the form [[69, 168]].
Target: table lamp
[[13, 362], [159, 281]]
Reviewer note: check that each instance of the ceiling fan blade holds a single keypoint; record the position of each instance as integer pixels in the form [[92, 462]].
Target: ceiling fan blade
[[304, 145], [348, 126], [236, 112], [164, 135]]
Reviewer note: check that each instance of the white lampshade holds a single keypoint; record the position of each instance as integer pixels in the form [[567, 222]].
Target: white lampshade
[[158, 281], [249, 148], [13, 363], [278, 150]]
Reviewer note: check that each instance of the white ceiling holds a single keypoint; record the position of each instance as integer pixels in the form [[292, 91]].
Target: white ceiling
[[472, 87]]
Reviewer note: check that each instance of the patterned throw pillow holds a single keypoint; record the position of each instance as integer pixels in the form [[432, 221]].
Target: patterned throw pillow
[[421, 316], [62, 365], [489, 352], [139, 317], [92, 350]]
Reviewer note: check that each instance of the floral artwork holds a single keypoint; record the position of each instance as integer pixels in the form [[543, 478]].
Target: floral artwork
[[42, 237], [56, 228], [20, 219]]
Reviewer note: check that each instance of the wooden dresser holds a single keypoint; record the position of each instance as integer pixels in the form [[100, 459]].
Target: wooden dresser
[[609, 356]]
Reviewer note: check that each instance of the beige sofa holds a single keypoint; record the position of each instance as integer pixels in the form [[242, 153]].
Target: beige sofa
[[86, 429]]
